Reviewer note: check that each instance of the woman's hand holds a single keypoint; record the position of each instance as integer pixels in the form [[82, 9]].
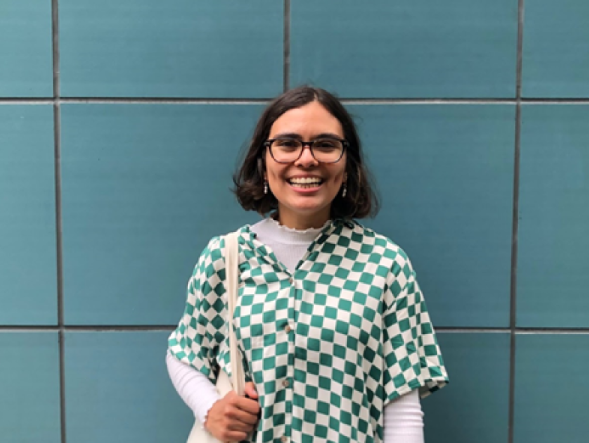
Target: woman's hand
[[233, 417]]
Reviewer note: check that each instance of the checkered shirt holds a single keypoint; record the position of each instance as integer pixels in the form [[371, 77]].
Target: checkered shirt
[[327, 346]]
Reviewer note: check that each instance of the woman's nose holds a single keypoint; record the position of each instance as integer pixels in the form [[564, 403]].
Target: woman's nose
[[306, 159]]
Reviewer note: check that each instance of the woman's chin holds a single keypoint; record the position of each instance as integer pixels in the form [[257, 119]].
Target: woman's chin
[[308, 207]]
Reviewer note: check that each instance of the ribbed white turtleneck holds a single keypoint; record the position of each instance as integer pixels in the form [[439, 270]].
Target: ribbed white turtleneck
[[403, 418], [289, 245]]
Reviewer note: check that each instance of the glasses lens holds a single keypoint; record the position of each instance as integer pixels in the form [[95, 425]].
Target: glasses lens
[[327, 150], [286, 149]]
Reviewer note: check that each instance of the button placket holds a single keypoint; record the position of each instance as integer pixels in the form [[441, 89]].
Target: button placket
[[288, 394]]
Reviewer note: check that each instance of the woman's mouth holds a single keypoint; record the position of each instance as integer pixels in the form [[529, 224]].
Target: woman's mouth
[[305, 182]]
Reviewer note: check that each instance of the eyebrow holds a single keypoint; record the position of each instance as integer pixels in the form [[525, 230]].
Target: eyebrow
[[298, 136]]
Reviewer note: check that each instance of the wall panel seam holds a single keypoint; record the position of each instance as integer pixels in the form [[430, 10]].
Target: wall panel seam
[[257, 101], [515, 226], [286, 47], [58, 221], [114, 328]]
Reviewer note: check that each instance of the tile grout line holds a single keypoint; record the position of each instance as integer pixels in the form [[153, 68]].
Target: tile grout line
[[166, 100], [258, 101], [86, 328], [286, 48], [90, 328], [58, 221], [515, 227], [154, 328]]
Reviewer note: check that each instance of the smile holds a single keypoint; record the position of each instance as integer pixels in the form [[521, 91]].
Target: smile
[[305, 182]]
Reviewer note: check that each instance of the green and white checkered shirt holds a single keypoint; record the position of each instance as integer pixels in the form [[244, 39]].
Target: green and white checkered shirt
[[327, 346]]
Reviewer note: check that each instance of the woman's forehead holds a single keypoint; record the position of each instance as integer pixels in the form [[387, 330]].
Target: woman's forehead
[[308, 120]]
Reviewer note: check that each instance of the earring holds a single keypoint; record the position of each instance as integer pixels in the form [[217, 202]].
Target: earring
[[345, 189], [265, 187]]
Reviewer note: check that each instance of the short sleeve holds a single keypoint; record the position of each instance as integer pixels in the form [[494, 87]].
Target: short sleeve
[[412, 356], [201, 331]]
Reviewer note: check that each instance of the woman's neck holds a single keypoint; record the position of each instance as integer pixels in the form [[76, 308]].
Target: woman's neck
[[301, 222]]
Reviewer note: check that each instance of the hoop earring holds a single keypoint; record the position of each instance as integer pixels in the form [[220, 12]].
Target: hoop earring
[[345, 191], [265, 187]]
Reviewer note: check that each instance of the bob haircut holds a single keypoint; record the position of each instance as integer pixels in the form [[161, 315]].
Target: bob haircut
[[360, 200]]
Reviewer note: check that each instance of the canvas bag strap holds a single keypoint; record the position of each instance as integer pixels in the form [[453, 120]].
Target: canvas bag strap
[[232, 274]]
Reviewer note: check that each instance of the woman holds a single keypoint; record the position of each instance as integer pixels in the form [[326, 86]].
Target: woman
[[336, 340]]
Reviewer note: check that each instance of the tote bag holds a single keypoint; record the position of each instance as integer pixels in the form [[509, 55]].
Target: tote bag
[[237, 382]]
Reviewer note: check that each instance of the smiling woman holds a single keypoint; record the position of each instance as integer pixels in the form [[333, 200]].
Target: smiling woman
[[336, 340]]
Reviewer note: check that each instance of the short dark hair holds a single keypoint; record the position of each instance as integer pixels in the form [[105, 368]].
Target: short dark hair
[[360, 200]]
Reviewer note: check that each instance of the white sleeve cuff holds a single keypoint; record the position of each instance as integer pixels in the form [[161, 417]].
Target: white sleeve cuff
[[403, 420], [193, 386]]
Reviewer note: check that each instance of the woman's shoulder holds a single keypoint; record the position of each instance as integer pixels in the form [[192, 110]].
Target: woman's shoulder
[[385, 256], [216, 244], [369, 238], [218, 241]]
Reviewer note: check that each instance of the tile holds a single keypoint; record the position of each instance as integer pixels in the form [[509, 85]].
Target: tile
[[474, 406], [29, 387], [26, 49], [28, 287], [148, 48], [144, 187], [553, 234], [445, 175], [456, 48], [118, 389], [550, 386], [555, 55]]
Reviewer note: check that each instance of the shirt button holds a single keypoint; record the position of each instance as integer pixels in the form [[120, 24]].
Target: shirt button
[[291, 280], [286, 383], [284, 439], [287, 328]]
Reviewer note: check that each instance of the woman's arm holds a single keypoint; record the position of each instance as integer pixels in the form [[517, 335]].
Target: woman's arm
[[232, 417], [403, 420], [193, 386]]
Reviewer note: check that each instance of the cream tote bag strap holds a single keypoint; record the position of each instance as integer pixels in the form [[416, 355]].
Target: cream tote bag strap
[[237, 382]]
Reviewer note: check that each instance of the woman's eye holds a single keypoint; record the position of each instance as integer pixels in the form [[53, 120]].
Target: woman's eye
[[325, 144], [288, 143]]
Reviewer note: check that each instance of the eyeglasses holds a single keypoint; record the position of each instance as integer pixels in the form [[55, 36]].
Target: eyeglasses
[[289, 150]]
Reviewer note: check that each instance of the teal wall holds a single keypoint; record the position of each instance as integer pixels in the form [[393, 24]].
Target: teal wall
[[121, 122]]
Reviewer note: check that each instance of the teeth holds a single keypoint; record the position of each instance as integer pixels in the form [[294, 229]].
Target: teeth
[[305, 180]]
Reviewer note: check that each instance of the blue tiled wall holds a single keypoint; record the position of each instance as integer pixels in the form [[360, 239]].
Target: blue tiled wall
[[122, 121]]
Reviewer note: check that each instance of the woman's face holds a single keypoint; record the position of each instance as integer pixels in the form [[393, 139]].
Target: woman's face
[[304, 207]]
